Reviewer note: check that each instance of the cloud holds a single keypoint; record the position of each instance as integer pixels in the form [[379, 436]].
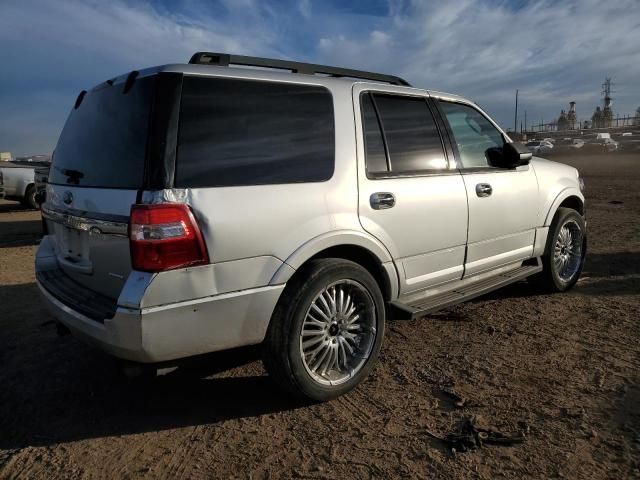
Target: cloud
[[305, 8], [52, 50], [552, 51]]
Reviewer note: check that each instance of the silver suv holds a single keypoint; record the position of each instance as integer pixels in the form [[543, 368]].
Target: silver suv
[[201, 207]]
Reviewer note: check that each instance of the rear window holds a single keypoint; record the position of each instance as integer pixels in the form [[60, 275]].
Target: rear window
[[242, 132], [103, 142]]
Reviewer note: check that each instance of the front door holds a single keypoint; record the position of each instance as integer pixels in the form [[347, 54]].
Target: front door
[[502, 202], [410, 197]]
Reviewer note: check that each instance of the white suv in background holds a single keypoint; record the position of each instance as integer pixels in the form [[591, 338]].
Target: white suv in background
[[539, 146]]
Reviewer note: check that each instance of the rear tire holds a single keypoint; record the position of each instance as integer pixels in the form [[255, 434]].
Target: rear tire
[[29, 199], [326, 331], [565, 251]]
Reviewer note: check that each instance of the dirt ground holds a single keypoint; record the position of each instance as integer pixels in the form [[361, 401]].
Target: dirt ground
[[562, 370]]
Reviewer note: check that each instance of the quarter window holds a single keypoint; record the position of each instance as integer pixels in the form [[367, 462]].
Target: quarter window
[[244, 132], [473, 134]]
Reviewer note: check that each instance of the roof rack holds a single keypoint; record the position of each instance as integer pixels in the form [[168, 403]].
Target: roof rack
[[225, 59]]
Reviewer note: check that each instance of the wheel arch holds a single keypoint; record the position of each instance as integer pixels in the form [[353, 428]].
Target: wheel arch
[[25, 188], [570, 198], [349, 245]]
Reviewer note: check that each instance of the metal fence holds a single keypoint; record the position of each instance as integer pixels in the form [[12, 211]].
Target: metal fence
[[618, 122]]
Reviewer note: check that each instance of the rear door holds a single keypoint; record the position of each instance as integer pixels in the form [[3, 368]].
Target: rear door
[[10, 179], [97, 170], [502, 202], [410, 197]]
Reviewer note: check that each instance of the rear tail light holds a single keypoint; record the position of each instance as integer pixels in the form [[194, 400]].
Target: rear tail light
[[165, 236]]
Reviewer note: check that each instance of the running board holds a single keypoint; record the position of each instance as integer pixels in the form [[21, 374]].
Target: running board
[[419, 307]]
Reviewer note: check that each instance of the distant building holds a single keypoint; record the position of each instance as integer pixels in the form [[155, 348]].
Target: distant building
[[563, 123], [34, 158], [571, 116], [568, 120], [596, 118], [5, 157], [603, 118]]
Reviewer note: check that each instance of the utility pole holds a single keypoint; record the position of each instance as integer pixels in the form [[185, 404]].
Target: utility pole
[[525, 120], [515, 118]]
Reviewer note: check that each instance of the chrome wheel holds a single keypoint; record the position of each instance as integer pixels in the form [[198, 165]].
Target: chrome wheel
[[567, 253], [338, 332]]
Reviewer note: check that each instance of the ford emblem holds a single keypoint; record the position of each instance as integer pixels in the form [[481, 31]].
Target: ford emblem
[[67, 197]]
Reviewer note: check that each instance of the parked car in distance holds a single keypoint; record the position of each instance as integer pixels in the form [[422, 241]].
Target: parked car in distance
[[40, 178], [567, 146], [600, 145], [212, 207], [539, 147], [20, 181], [629, 145]]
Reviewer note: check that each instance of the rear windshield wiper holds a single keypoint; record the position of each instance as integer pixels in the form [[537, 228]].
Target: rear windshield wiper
[[73, 176]]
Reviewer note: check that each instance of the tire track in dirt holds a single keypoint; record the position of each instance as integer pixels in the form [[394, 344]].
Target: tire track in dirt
[[562, 367]]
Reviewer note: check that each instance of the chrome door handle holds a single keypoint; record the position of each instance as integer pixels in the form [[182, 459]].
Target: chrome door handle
[[483, 190], [382, 200]]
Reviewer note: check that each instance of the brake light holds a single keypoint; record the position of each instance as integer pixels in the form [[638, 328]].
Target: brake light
[[165, 236]]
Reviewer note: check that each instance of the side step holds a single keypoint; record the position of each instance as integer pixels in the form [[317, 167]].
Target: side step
[[419, 307]]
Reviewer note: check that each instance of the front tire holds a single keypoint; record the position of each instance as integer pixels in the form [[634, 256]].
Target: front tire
[[566, 247], [29, 199], [326, 331]]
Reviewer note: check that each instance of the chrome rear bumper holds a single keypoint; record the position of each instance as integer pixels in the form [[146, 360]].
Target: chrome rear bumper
[[169, 332], [161, 331]]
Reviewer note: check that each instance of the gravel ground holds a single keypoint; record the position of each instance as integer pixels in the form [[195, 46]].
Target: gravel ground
[[559, 373]]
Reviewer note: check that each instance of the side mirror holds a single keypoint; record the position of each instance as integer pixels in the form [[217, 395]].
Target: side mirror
[[512, 155]]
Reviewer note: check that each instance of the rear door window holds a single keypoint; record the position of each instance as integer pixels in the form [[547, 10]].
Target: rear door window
[[376, 157], [103, 142], [412, 139], [244, 132]]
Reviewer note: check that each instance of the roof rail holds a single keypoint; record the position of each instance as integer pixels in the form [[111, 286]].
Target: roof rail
[[225, 59]]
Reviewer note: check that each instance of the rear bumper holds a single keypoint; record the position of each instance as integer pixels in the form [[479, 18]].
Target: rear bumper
[[179, 330], [121, 335], [151, 322]]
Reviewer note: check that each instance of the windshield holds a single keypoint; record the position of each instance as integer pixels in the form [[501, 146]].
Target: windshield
[[103, 143]]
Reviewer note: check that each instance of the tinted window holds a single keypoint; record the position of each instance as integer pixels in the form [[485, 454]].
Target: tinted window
[[375, 156], [411, 134], [103, 142], [472, 132], [242, 132]]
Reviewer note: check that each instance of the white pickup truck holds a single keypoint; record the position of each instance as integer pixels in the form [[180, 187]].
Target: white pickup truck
[[20, 181]]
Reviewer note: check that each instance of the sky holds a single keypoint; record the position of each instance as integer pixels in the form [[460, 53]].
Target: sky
[[552, 51]]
